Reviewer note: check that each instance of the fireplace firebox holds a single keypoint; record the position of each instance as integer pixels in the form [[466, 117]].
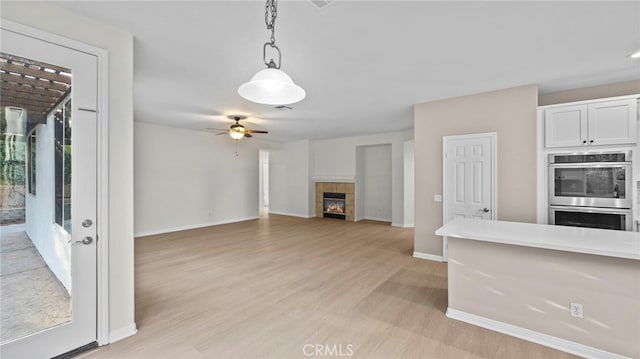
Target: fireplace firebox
[[335, 197], [334, 205]]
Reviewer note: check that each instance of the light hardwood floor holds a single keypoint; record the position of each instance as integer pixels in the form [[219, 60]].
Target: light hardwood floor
[[268, 287]]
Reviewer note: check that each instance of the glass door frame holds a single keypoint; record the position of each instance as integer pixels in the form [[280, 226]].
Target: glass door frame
[[102, 161]]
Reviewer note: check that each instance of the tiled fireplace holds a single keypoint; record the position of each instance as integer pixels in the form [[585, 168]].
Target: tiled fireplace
[[334, 205], [335, 200]]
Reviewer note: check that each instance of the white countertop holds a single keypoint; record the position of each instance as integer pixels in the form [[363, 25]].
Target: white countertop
[[603, 242]]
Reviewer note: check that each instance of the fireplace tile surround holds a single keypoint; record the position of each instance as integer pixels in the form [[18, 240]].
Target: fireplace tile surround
[[349, 189]]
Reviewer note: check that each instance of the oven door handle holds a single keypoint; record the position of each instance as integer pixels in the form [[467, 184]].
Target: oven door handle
[[591, 164], [591, 209]]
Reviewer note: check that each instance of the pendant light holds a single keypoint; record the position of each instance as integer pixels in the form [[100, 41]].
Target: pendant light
[[271, 86]]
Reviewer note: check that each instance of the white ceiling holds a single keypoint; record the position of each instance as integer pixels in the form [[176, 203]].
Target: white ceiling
[[363, 63]]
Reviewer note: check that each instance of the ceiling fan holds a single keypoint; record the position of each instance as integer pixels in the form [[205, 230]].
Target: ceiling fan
[[236, 130]]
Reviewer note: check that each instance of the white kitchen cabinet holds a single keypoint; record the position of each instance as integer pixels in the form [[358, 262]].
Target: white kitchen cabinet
[[591, 124], [612, 122], [566, 126]]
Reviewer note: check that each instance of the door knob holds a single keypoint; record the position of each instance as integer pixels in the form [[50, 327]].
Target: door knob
[[87, 223], [485, 210]]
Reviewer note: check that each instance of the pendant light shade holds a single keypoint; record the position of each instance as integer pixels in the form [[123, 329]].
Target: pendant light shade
[[271, 87]]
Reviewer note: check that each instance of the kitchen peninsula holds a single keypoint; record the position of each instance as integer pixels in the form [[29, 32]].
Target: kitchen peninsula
[[521, 279]]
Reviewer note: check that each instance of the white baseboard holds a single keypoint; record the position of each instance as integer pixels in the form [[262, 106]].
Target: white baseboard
[[290, 214], [532, 336], [184, 228], [377, 219], [431, 257], [122, 333], [335, 178], [402, 225]]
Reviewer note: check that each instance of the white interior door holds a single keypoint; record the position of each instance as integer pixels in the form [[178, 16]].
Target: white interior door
[[469, 178], [80, 219]]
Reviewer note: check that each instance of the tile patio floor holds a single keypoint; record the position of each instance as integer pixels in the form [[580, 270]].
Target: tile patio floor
[[31, 297]]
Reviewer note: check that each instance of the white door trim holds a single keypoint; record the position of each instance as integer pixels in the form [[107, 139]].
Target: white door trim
[[494, 182], [102, 56]]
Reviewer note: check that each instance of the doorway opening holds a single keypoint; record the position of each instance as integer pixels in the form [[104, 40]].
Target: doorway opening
[[263, 174], [374, 183]]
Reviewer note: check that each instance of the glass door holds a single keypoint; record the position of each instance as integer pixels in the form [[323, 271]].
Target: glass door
[[48, 188]]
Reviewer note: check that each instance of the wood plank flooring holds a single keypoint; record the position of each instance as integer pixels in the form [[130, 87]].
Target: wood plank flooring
[[269, 288]]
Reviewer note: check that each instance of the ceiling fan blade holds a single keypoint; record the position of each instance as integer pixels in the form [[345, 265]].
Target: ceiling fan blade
[[216, 129], [221, 133], [256, 131], [247, 135]]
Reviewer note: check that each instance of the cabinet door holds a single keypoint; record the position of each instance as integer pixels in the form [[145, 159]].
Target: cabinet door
[[565, 126], [612, 122]]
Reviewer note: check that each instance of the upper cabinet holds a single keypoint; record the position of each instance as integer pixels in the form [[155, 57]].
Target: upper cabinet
[[612, 122], [566, 126], [591, 124]]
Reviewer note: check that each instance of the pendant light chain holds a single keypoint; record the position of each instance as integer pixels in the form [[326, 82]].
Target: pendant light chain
[[270, 15]]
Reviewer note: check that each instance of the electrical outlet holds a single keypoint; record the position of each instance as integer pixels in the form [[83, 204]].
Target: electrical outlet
[[576, 310], [437, 198]]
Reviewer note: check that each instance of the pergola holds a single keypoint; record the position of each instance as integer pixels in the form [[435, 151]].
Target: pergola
[[34, 86]]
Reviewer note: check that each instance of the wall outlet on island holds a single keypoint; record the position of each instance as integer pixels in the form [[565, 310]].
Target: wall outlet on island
[[576, 310]]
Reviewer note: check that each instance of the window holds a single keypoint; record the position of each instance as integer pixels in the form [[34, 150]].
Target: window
[[62, 120], [31, 157]]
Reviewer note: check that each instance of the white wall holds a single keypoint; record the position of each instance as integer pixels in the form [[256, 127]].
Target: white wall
[[311, 193], [49, 238], [335, 160], [376, 182], [263, 178], [509, 112], [289, 181], [409, 183], [120, 227], [359, 210], [188, 179]]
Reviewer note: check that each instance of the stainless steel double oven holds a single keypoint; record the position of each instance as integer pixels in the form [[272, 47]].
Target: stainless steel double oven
[[591, 190]]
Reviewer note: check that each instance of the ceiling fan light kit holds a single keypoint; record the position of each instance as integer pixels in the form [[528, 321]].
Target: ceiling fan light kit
[[235, 134], [271, 86], [238, 131]]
